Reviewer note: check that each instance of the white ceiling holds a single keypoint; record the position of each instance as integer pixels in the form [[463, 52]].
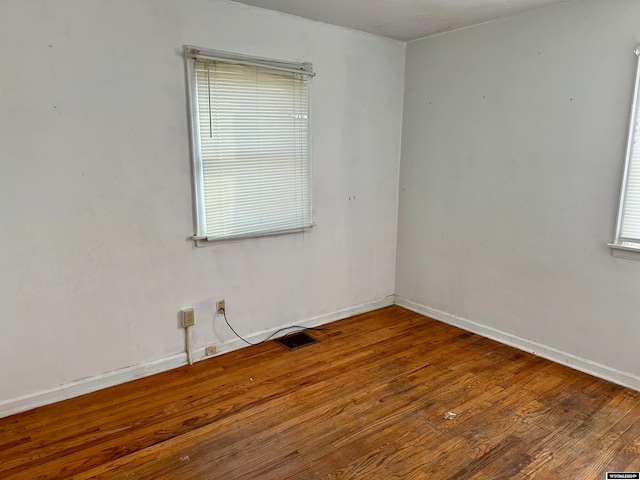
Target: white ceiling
[[402, 19]]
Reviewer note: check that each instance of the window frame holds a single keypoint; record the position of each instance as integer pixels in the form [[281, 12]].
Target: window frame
[[191, 55], [621, 247]]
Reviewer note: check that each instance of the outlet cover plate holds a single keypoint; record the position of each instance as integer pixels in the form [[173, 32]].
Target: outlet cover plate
[[210, 351], [188, 317]]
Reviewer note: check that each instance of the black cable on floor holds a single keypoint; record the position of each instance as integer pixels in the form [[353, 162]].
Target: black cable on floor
[[224, 313]]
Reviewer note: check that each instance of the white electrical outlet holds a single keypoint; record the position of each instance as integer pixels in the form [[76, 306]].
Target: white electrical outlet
[[188, 317], [210, 351], [220, 307]]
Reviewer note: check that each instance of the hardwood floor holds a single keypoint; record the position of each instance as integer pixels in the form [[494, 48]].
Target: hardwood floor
[[366, 402]]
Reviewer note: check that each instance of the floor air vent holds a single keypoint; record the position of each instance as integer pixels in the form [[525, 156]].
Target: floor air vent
[[296, 340]]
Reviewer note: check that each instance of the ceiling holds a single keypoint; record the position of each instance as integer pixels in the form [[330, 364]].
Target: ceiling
[[402, 19]]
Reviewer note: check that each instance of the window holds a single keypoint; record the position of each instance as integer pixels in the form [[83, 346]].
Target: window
[[250, 143], [627, 240]]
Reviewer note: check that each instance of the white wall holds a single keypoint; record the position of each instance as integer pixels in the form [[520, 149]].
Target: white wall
[[513, 148], [95, 189]]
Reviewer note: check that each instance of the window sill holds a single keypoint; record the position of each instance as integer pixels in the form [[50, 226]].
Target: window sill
[[625, 251], [206, 242]]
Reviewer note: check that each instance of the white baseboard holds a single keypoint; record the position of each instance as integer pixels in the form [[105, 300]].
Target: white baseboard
[[578, 363], [98, 382]]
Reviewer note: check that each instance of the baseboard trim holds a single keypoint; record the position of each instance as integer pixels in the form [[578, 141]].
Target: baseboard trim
[[98, 382], [578, 363]]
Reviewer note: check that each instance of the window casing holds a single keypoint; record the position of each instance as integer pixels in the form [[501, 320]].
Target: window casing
[[250, 145], [627, 238]]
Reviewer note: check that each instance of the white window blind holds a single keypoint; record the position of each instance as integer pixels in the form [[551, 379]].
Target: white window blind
[[251, 127], [628, 225]]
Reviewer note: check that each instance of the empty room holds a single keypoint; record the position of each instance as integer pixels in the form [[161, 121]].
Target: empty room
[[319, 239]]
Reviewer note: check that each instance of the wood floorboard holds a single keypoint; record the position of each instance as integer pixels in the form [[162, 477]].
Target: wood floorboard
[[366, 402]]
